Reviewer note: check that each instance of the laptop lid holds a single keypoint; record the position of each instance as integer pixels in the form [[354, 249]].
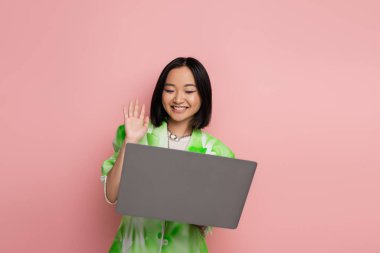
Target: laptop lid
[[183, 186]]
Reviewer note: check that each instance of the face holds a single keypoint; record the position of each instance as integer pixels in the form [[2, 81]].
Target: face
[[180, 96]]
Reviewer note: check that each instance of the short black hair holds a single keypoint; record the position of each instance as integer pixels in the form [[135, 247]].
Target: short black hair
[[202, 81]]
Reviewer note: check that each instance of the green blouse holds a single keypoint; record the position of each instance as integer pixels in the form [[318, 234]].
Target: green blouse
[[143, 235]]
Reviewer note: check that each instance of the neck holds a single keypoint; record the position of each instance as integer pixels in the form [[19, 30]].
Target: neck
[[179, 128]]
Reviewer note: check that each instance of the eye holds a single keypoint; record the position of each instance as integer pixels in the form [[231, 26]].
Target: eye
[[169, 91], [190, 91]]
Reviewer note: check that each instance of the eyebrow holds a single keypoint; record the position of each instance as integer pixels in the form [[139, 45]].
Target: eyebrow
[[188, 84]]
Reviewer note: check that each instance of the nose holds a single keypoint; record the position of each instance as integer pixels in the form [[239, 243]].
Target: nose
[[178, 98]]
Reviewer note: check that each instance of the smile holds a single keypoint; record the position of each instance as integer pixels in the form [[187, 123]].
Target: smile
[[179, 108]]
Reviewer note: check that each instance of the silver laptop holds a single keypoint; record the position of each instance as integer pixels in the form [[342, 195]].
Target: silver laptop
[[183, 186]]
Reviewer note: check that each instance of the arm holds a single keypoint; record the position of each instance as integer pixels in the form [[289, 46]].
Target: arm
[[112, 167], [137, 127], [112, 180]]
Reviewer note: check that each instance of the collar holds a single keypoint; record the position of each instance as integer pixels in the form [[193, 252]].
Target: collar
[[159, 137]]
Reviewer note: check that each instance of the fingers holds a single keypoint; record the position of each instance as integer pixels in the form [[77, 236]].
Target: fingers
[[136, 110], [131, 106], [133, 110], [142, 113], [146, 122]]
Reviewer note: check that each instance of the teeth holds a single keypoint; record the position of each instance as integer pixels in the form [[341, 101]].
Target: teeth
[[179, 108]]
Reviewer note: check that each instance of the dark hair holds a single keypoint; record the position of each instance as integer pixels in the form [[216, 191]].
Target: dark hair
[[202, 81]]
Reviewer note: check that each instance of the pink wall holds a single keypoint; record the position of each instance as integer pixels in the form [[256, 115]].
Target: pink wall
[[296, 88]]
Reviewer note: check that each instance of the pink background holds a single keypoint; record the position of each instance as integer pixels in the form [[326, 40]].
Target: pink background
[[295, 85]]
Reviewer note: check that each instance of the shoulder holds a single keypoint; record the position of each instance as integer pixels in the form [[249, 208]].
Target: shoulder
[[216, 145]]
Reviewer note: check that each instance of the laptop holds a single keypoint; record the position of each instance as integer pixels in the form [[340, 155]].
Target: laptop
[[183, 186]]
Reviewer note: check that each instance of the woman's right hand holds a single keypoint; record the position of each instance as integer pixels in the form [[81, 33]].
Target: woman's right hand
[[136, 124]]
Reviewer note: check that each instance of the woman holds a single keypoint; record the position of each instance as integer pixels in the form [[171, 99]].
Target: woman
[[180, 108]]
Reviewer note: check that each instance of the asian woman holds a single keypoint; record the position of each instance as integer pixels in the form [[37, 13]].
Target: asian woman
[[180, 108]]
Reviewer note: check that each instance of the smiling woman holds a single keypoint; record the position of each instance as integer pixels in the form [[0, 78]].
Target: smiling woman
[[180, 108]]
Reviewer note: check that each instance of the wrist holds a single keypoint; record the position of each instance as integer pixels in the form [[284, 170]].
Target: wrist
[[130, 141]]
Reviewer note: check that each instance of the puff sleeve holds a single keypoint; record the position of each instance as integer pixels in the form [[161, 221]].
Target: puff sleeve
[[109, 162], [219, 149]]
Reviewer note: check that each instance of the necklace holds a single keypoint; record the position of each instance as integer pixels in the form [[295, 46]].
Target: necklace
[[175, 137]]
